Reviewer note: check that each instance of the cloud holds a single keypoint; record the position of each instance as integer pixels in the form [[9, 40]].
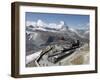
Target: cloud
[[61, 24], [41, 23], [28, 23]]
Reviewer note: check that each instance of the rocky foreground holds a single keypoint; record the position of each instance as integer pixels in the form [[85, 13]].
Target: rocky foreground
[[56, 55]]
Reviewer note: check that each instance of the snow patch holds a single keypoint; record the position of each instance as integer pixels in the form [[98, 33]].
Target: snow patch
[[39, 24], [32, 57]]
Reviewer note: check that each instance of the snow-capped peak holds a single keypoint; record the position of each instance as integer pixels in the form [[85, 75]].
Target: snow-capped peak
[[39, 24], [73, 30]]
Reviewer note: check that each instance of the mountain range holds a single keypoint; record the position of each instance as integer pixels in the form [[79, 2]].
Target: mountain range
[[40, 34]]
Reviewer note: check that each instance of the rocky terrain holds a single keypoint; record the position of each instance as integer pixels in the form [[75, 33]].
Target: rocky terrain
[[39, 37]]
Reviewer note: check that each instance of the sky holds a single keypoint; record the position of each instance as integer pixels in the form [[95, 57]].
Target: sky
[[71, 20]]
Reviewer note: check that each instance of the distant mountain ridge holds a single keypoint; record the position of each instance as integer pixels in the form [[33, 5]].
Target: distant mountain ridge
[[40, 25], [40, 34]]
